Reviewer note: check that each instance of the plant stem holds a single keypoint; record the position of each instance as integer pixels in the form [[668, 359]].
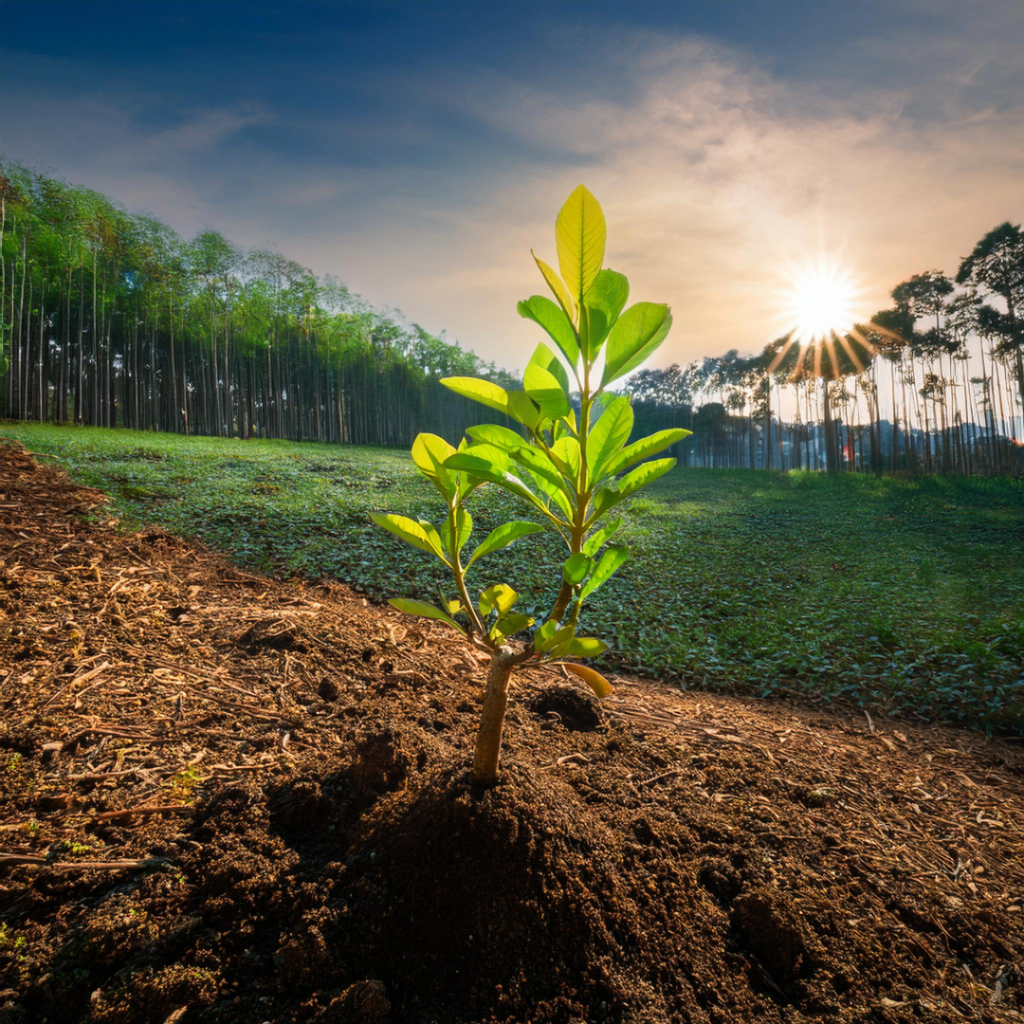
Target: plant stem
[[488, 738]]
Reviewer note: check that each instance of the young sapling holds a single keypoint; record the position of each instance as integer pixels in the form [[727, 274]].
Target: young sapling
[[570, 467]]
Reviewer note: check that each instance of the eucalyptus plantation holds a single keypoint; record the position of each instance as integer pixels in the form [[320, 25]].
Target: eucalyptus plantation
[[112, 319]]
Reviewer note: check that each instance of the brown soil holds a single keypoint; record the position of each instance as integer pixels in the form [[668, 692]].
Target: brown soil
[[233, 799]]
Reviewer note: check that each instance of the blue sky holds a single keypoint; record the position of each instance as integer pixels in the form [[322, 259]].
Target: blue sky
[[418, 150]]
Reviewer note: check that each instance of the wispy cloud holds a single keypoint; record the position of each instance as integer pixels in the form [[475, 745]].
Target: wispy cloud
[[717, 179], [719, 172]]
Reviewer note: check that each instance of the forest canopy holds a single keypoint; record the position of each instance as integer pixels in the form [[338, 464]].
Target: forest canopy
[[113, 319]]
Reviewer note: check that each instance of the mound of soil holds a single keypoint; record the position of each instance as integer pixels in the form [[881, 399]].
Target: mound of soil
[[232, 799]]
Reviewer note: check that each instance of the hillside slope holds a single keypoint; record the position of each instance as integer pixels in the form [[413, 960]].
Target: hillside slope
[[231, 798]]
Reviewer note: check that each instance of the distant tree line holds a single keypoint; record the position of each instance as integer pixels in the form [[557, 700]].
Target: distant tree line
[[112, 319], [109, 318], [947, 361]]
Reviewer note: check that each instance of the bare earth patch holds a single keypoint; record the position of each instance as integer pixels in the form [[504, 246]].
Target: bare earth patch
[[230, 798]]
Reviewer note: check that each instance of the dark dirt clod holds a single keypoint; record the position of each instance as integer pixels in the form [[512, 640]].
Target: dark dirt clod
[[766, 923], [303, 844], [577, 710], [362, 1003]]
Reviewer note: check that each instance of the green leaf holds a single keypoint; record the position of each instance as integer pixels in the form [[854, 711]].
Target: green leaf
[[544, 357], [587, 647], [614, 556], [501, 537], [605, 498], [558, 289], [427, 611], [579, 647], [591, 677], [482, 391], [575, 568], [644, 448], [500, 437], [509, 624], [595, 540], [635, 335], [481, 458], [644, 475], [544, 634], [546, 639], [546, 390], [454, 606], [490, 464], [523, 409], [580, 234], [541, 310], [537, 462], [566, 450], [419, 533], [604, 304], [429, 452], [608, 435], [500, 597]]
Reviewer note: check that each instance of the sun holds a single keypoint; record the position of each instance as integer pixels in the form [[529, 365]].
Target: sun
[[820, 303]]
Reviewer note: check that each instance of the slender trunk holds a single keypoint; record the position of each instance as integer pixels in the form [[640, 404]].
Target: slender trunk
[[488, 739]]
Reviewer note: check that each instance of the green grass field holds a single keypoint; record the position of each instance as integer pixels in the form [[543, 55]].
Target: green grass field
[[902, 594]]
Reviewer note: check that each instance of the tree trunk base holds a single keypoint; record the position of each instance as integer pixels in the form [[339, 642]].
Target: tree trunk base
[[488, 737]]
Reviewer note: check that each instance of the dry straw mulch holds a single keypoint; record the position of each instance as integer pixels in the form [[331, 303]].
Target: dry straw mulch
[[225, 797]]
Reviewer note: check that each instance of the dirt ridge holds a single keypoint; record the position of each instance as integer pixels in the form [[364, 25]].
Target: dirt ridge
[[229, 798]]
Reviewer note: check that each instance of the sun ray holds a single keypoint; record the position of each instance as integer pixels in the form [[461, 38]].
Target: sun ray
[[820, 302]]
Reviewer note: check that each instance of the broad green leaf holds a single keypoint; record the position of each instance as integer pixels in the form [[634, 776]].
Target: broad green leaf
[[608, 435], [482, 391], [605, 498], [523, 409], [580, 234], [500, 597], [614, 556], [587, 647], [576, 567], [557, 495], [418, 533], [427, 611], [537, 462], [509, 624], [604, 304], [644, 448], [644, 475], [595, 540], [500, 437], [546, 390], [579, 647], [544, 634], [429, 452], [558, 289], [591, 677], [492, 465], [544, 357], [501, 537], [635, 335], [493, 458], [555, 321], [557, 637], [567, 451]]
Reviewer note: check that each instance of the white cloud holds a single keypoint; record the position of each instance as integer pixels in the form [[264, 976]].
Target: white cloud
[[716, 179], [716, 176]]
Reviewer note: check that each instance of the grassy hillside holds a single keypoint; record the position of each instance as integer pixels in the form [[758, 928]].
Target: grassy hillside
[[907, 594]]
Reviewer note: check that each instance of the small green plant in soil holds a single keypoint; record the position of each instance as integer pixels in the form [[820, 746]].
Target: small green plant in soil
[[570, 467]]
